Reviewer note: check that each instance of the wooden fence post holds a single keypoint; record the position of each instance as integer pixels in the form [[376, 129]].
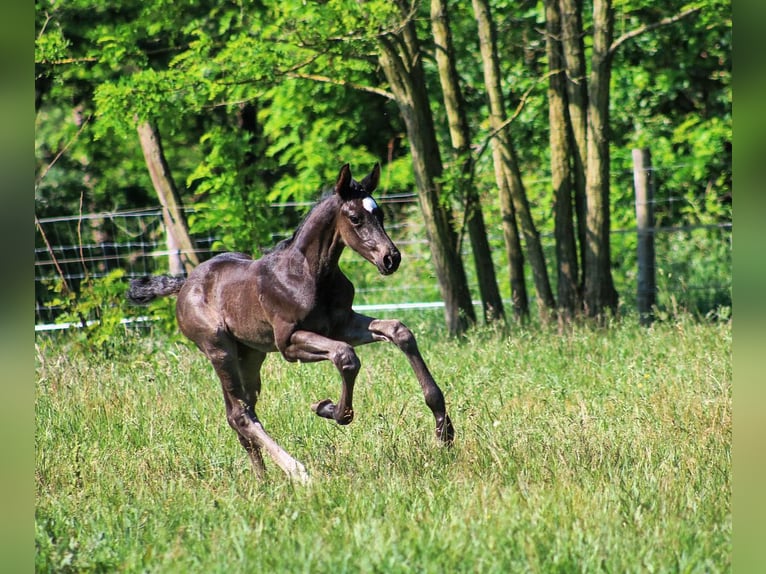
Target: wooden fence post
[[647, 285]]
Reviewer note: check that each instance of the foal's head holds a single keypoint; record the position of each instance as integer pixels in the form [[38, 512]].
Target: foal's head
[[360, 221]]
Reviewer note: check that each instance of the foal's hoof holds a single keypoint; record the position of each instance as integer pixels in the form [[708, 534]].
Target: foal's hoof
[[324, 408], [299, 474], [445, 432], [346, 417]]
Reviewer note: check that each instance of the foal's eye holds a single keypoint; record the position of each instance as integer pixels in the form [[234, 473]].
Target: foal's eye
[[354, 219]]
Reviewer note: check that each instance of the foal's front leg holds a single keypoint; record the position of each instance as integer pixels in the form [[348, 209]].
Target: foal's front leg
[[307, 347], [362, 330]]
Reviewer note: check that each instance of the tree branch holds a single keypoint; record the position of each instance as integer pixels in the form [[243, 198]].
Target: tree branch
[[66, 61], [327, 80], [648, 27], [61, 152], [516, 113]]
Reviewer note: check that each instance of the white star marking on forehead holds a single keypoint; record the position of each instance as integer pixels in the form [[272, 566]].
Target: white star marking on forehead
[[369, 204]]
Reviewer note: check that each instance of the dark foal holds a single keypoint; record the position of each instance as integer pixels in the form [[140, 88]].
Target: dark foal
[[294, 300]]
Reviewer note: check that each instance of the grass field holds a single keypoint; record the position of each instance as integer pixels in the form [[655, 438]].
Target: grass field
[[599, 450]]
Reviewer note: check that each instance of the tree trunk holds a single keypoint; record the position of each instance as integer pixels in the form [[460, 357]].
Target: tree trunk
[[401, 62], [600, 294], [454, 104], [182, 256], [573, 50], [514, 253], [561, 173], [507, 171]]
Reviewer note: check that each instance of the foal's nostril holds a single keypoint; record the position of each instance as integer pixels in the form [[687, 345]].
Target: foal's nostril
[[391, 261]]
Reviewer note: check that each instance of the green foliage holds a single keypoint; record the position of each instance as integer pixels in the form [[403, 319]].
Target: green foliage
[[306, 70], [689, 283], [101, 315], [51, 45], [589, 451], [135, 98], [307, 146], [97, 309], [232, 199], [675, 99]]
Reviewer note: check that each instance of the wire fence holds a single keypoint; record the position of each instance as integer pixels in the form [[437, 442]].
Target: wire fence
[[693, 261]]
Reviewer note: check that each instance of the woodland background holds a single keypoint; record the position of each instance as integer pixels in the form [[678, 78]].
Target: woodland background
[[512, 123]]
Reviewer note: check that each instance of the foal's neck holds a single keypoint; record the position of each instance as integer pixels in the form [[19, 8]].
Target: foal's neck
[[317, 237]]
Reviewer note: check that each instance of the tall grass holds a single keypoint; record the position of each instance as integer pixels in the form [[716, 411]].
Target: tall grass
[[597, 450]]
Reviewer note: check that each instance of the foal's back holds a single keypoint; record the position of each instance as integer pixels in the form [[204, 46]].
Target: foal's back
[[220, 300]]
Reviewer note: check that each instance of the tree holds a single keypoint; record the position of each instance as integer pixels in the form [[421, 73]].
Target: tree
[[574, 65], [70, 68], [460, 134], [561, 168], [182, 255], [513, 197], [511, 237], [400, 58], [587, 120], [599, 295]]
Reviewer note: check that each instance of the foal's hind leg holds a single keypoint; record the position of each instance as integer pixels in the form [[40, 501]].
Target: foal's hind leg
[[240, 393], [249, 366]]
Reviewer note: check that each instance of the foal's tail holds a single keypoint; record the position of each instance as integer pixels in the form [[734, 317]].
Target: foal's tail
[[146, 289]]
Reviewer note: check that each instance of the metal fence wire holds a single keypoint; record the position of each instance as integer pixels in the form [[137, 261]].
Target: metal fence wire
[[71, 249]]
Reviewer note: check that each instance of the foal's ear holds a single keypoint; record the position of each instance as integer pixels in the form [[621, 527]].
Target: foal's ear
[[342, 186], [371, 181]]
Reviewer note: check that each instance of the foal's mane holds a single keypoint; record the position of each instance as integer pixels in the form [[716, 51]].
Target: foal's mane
[[355, 189], [326, 198]]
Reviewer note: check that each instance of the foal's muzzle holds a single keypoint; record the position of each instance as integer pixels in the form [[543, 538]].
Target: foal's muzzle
[[390, 262]]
